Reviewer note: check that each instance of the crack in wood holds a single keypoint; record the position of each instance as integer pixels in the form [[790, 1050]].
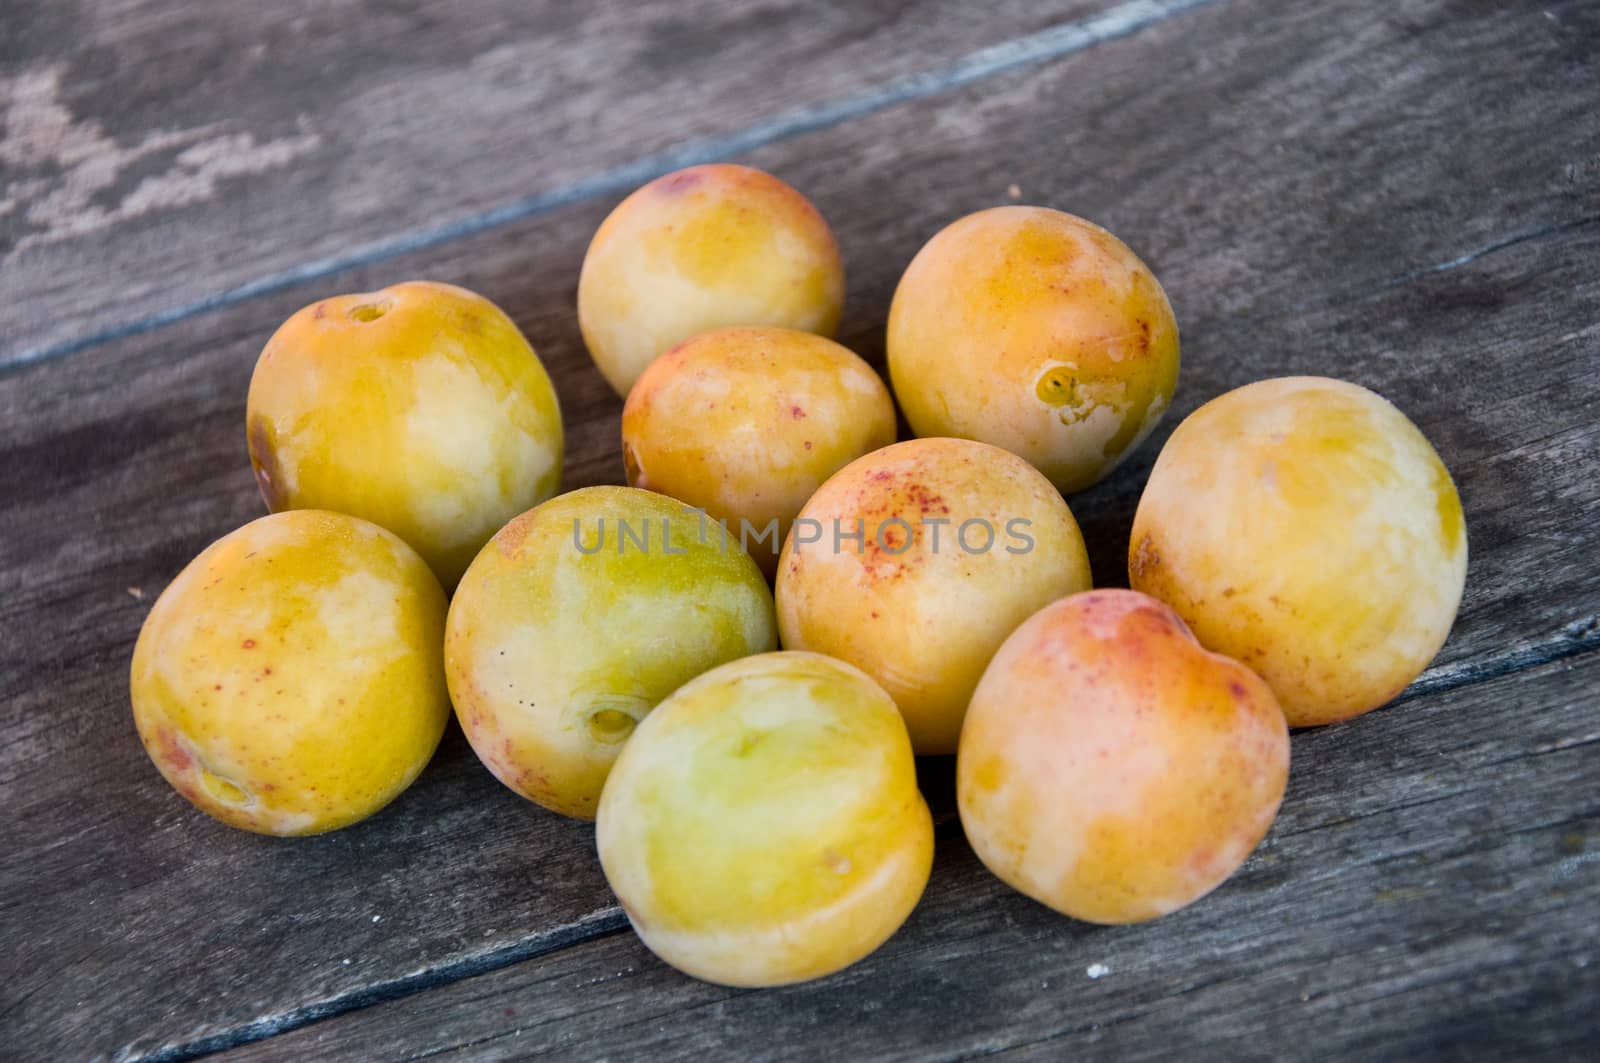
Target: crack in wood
[[597, 925], [1465, 258], [603, 923], [1399, 280], [1579, 636]]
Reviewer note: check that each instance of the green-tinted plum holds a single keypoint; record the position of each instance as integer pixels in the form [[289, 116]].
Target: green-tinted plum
[[764, 826], [577, 618]]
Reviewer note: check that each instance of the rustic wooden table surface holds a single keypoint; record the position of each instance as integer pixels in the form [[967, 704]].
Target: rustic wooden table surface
[[1405, 194]]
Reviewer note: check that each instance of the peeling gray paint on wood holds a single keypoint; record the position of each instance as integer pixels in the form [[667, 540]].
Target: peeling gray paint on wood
[[159, 158]]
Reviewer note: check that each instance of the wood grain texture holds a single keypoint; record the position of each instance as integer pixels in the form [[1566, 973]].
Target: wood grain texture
[[157, 155], [1424, 912], [1299, 224]]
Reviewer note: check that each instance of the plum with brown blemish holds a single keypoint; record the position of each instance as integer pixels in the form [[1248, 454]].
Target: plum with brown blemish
[[1307, 526], [1113, 768], [705, 248], [1036, 331], [961, 541], [348, 621], [746, 424], [420, 407]]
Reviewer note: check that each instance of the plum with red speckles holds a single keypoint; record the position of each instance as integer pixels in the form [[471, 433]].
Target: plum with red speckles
[[746, 424], [289, 680], [1036, 331], [914, 562], [701, 249], [1113, 768]]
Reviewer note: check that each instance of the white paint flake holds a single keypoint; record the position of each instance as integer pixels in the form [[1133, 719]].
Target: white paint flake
[[81, 163]]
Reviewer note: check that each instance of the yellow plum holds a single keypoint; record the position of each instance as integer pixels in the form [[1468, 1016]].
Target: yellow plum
[[746, 424], [577, 618], [289, 680], [763, 826], [1038, 332], [420, 407], [701, 249], [1111, 767], [1306, 527], [914, 562]]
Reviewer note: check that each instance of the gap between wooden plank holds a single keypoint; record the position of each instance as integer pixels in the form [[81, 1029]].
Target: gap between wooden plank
[[1019, 53], [1580, 636], [598, 924]]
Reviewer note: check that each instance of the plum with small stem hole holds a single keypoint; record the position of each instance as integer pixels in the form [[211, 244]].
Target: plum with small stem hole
[[420, 407], [1036, 331], [577, 618]]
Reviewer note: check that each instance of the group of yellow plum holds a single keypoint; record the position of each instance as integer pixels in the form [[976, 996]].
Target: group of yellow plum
[[1297, 558]]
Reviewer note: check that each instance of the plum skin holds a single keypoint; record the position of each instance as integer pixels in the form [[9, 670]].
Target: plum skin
[[763, 826], [704, 248], [1036, 331], [554, 653], [421, 408], [289, 680], [1111, 767], [923, 622], [746, 423], [1306, 527]]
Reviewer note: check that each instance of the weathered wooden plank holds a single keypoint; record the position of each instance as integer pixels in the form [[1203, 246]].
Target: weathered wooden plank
[[117, 464], [1424, 912], [157, 156]]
